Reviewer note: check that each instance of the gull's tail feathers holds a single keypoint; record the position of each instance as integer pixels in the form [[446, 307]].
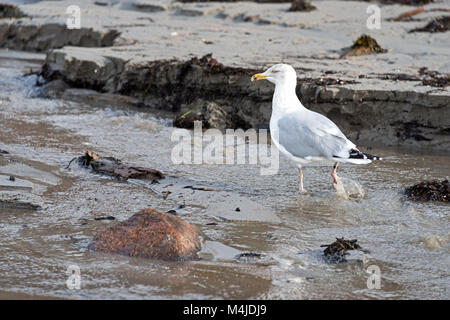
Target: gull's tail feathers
[[357, 157]]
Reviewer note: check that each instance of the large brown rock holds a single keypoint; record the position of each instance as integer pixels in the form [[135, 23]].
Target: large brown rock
[[150, 234]]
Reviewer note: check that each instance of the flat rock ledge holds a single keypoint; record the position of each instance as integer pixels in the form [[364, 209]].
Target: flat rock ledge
[[151, 234], [20, 200]]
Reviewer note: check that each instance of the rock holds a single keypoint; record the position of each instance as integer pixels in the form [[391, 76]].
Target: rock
[[210, 113], [40, 38], [54, 88], [301, 5], [151, 234], [429, 191], [365, 44], [20, 200]]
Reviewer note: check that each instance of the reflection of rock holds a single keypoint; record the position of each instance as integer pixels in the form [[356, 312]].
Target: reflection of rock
[[209, 113], [365, 44], [150, 234], [429, 191]]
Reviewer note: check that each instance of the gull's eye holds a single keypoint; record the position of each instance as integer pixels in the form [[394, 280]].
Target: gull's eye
[[275, 71]]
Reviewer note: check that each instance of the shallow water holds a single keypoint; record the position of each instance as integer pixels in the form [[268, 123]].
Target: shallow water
[[409, 242]]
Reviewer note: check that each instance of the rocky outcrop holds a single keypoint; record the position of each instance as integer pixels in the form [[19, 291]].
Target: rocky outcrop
[[150, 234], [41, 38]]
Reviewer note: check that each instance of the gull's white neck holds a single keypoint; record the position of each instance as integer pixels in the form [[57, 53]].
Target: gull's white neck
[[285, 98]]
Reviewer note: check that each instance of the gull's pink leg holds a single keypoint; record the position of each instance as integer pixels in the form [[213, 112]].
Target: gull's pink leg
[[300, 176], [333, 173]]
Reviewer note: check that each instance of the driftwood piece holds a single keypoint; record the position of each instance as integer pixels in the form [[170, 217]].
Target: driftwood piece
[[409, 14], [114, 167]]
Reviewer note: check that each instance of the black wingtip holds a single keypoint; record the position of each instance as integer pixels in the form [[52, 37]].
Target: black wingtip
[[356, 154]]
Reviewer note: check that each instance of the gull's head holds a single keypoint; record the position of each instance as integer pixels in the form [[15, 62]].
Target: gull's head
[[277, 74]]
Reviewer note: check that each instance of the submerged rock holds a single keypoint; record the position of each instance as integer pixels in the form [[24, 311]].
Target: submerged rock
[[301, 5], [150, 234], [365, 44], [429, 191]]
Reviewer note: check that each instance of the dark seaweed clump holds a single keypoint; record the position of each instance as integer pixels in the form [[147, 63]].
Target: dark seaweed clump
[[434, 78], [365, 44], [336, 251], [429, 191], [441, 24], [10, 11]]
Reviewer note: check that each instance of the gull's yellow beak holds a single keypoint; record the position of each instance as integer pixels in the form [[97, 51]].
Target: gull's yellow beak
[[258, 76]]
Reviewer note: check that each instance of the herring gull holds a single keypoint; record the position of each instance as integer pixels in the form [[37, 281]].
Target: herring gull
[[304, 135]]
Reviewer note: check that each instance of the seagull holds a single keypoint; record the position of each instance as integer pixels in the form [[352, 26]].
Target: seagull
[[303, 135]]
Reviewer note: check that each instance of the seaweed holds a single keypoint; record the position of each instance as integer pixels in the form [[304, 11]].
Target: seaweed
[[365, 44], [429, 191], [441, 24], [336, 251]]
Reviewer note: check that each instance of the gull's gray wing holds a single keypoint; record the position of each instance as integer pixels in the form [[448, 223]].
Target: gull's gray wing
[[310, 134]]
